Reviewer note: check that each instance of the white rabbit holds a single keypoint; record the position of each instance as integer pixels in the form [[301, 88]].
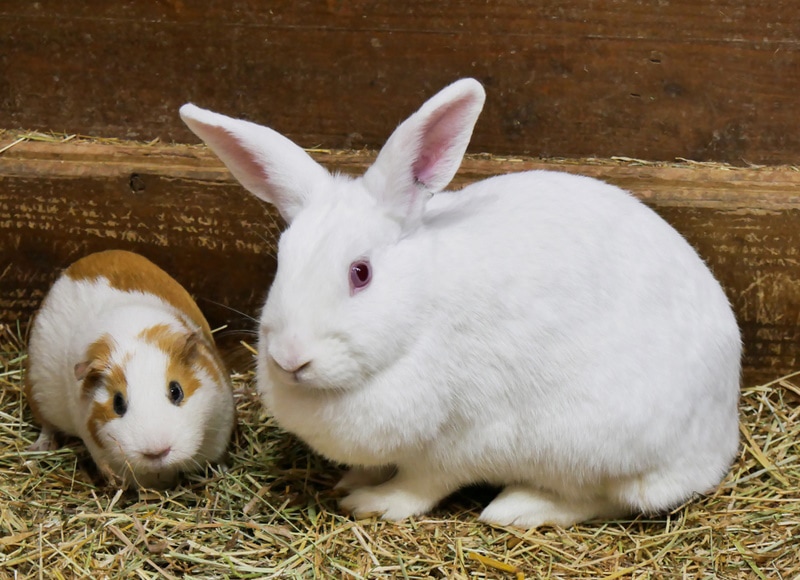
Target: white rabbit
[[540, 331]]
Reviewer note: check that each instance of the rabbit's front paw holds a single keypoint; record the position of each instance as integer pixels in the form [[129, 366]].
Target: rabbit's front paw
[[394, 500]]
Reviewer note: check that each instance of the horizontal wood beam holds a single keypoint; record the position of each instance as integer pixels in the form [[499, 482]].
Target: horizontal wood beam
[[180, 207]]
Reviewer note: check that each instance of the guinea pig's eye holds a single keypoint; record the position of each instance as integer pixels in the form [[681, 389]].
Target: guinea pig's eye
[[120, 405], [175, 392], [360, 275]]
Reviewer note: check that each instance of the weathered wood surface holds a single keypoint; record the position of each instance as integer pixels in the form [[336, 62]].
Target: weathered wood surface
[[654, 80], [178, 206]]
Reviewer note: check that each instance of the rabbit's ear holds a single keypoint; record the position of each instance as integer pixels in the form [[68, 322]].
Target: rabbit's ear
[[424, 152], [265, 162]]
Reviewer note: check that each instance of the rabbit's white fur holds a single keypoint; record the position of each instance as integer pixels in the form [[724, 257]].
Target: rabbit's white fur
[[541, 331]]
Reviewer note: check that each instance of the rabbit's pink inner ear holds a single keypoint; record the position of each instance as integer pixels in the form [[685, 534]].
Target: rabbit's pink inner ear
[[424, 152], [240, 157], [443, 141], [423, 168], [265, 162], [244, 157]]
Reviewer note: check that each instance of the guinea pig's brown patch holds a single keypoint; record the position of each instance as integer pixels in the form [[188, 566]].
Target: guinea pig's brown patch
[[186, 351], [196, 352], [113, 380], [131, 272], [185, 375], [183, 351], [162, 336], [96, 364], [101, 414], [210, 362]]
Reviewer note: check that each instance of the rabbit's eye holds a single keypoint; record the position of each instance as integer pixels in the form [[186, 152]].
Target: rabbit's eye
[[360, 275]]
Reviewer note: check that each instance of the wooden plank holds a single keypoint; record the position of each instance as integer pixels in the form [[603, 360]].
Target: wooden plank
[[180, 207], [565, 78]]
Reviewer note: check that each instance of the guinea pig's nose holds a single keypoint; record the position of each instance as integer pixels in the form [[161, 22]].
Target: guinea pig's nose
[[157, 454]]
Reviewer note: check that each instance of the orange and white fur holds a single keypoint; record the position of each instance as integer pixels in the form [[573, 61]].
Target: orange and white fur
[[121, 356]]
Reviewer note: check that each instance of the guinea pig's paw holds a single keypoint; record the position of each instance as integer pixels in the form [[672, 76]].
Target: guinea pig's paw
[[358, 477], [45, 442], [394, 500], [529, 508], [111, 478]]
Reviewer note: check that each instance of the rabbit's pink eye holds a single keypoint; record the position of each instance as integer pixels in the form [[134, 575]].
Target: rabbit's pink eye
[[360, 275]]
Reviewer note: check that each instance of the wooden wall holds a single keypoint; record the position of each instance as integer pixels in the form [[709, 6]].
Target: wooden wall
[[714, 80], [180, 207], [565, 79]]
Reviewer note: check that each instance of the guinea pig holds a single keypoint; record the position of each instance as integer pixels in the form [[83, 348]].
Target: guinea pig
[[121, 356]]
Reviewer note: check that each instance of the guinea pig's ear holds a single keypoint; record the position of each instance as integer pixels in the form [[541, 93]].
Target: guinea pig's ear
[[98, 355], [86, 369], [82, 369], [265, 162], [90, 374], [425, 151], [188, 346]]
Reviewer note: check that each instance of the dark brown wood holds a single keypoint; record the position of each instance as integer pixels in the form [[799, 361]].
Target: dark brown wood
[[201, 228], [566, 78], [179, 207]]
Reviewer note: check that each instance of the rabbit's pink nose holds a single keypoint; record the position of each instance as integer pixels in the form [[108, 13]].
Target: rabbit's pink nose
[[292, 368], [157, 454]]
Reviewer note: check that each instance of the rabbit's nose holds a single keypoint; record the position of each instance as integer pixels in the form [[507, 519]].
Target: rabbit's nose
[[293, 368]]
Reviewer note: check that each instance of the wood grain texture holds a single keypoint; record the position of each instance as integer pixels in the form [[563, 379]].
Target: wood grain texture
[[566, 78], [179, 207]]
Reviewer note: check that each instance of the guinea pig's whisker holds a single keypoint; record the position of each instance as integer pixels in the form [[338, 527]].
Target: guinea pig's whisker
[[234, 310], [250, 331], [269, 243], [243, 332], [197, 464]]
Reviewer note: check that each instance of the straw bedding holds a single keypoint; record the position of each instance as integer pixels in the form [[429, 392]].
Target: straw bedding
[[274, 514]]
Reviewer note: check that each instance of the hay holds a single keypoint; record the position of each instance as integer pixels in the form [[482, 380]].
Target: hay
[[273, 514], [53, 137]]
